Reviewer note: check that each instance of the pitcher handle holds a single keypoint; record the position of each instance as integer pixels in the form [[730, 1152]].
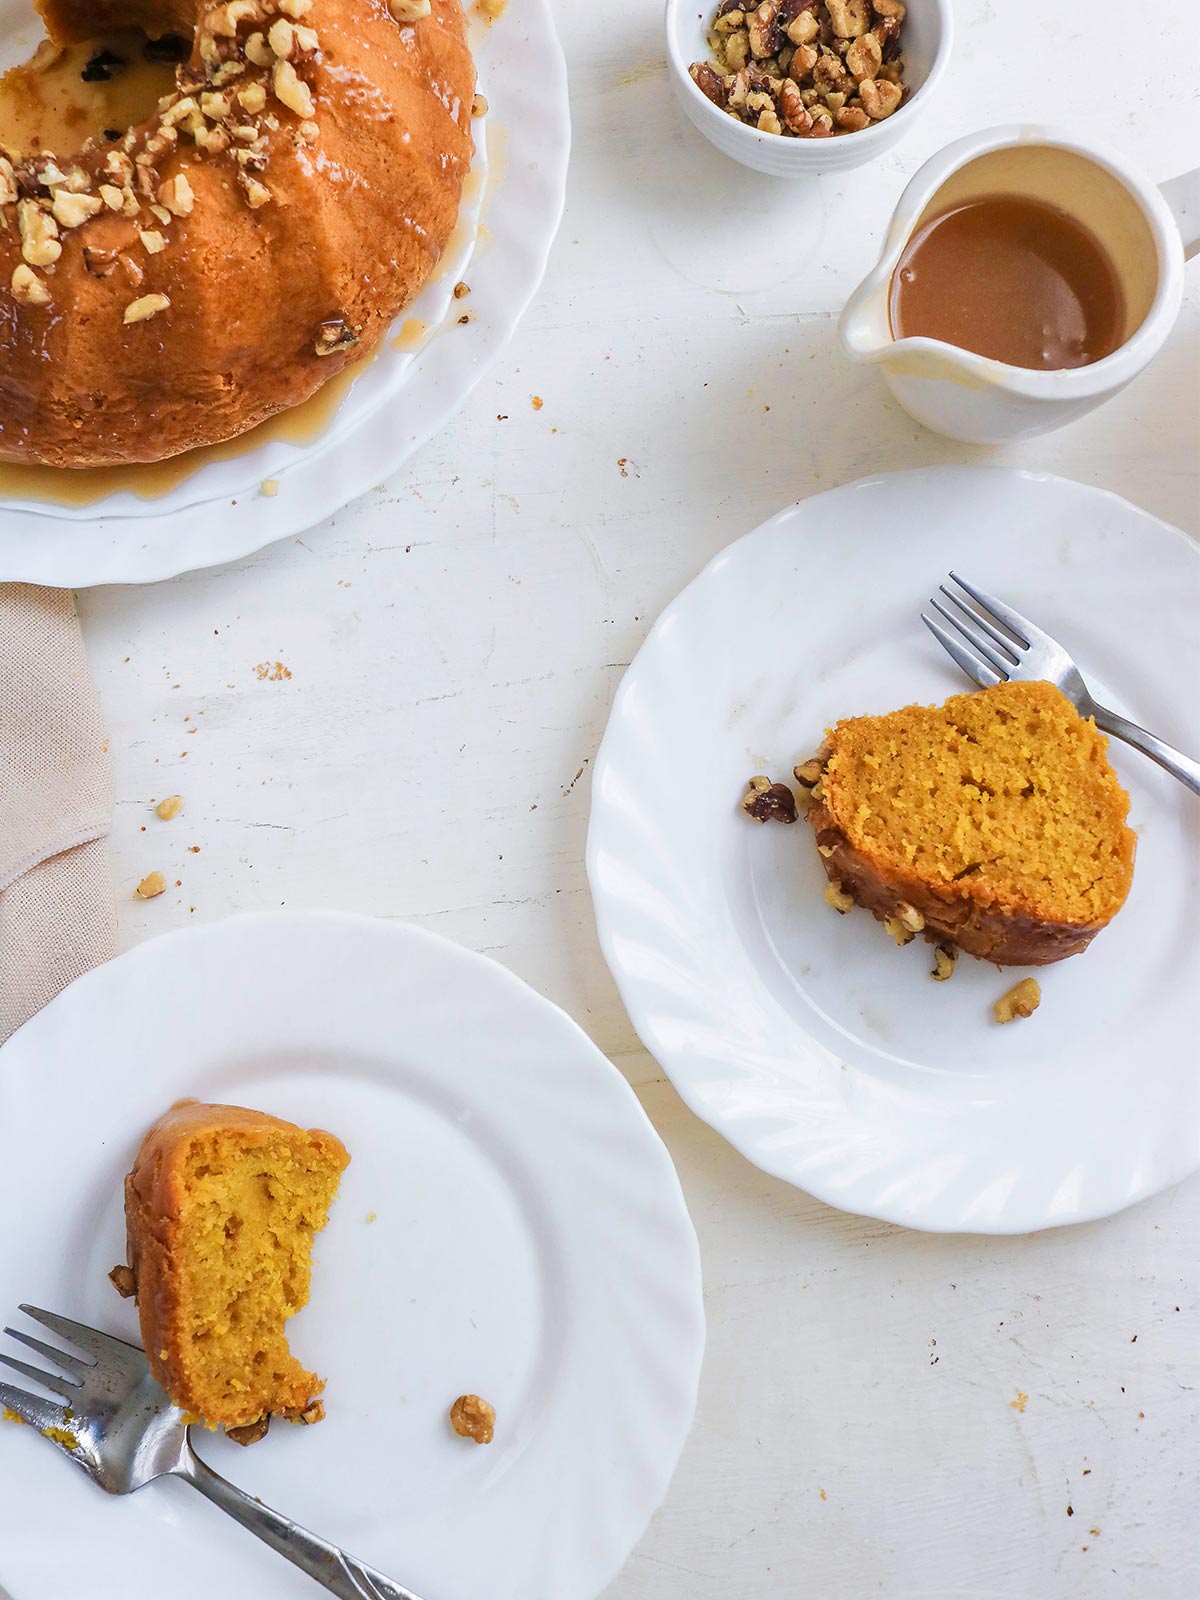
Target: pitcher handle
[[1182, 195]]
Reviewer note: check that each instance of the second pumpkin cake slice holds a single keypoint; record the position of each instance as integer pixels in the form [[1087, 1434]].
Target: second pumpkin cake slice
[[221, 1208], [994, 823]]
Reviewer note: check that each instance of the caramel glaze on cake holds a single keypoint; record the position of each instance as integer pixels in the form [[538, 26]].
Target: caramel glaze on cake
[[993, 823], [223, 260], [221, 1207]]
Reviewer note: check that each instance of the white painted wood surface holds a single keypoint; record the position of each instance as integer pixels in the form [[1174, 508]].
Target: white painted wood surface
[[882, 1413]]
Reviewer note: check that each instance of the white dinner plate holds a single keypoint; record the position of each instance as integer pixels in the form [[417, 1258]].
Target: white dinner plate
[[511, 210], [510, 1225], [819, 1049]]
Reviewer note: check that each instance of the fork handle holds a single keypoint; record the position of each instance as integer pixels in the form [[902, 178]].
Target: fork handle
[[1176, 763], [336, 1571]]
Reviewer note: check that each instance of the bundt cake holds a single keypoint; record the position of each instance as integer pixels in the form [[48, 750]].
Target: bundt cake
[[178, 283], [221, 1206], [993, 822]]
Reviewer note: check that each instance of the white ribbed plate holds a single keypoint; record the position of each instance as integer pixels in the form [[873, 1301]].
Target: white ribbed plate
[[397, 402], [825, 1054], [530, 1244]]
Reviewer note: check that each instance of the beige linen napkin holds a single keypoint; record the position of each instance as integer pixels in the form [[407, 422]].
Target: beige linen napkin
[[57, 912]]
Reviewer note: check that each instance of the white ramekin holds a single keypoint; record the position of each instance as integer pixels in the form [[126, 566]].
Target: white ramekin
[[926, 38]]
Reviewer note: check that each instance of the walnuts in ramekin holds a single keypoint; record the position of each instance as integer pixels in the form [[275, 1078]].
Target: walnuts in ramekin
[[805, 69]]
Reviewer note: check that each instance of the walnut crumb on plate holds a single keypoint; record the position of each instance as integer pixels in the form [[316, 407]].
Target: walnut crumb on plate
[[473, 1418]]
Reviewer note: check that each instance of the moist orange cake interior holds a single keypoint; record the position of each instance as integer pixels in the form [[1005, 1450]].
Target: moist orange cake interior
[[249, 1213], [1006, 793]]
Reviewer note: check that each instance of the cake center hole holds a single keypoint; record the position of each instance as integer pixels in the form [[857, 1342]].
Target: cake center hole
[[99, 88]]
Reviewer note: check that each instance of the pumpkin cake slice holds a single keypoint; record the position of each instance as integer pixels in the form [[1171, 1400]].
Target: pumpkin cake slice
[[221, 1207], [993, 822]]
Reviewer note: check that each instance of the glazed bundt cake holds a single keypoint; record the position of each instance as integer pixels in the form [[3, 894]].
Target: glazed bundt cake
[[994, 823], [221, 1207], [180, 283]]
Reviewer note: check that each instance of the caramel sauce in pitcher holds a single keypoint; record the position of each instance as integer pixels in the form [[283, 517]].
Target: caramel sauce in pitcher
[[1011, 278]]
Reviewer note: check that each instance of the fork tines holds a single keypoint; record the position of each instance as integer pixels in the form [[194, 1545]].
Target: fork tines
[[39, 1412], [970, 635]]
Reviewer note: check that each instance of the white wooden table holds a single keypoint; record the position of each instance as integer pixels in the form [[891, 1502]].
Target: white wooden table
[[882, 1413]]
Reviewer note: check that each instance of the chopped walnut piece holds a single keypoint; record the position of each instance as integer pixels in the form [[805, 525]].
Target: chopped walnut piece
[[473, 1418], [763, 30], [893, 10], [250, 1432], [479, 106], [333, 335], [292, 90], [123, 1281], [151, 886], [879, 97], [98, 263], [258, 50], [808, 773], [1022, 1000], [910, 918], [295, 8], [409, 10], [257, 194], [8, 182], [152, 241], [944, 958], [864, 57], [169, 807], [28, 289], [898, 931], [709, 81], [72, 210], [838, 897], [145, 307], [113, 198], [252, 97], [39, 234], [768, 802], [850, 18], [803, 29]]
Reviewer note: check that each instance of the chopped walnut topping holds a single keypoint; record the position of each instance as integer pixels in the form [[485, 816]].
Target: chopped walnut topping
[[39, 234], [473, 1418], [1022, 1000], [170, 807], [177, 195], [281, 36], [768, 802], [252, 97], [250, 1432], [898, 931], [123, 1281], [8, 182], [944, 958], [153, 241], [257, 194], [70, 210], [838, 897], [147, 306], [808, 773], [292, 90], [479, 106], [224, 21], [112, 196], [409, 10], [258, 50], [98, 263], [151, 886], [804, 69], [295, 8], [333, 335], [309, 132], [28, 289]]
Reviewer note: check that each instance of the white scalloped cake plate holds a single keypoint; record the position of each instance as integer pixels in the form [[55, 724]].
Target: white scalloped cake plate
[[511, 210], [820, 1050], [509, 1225]]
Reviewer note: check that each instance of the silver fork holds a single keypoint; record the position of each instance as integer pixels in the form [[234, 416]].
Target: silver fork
[[119, 1425], [1023, 652]]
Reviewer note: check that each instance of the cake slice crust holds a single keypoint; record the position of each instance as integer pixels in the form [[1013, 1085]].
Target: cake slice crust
[[221, 1208], [995, 817]]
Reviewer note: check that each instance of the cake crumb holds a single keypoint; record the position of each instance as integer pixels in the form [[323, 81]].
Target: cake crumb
[[1022, 1000], [1020, 1402], [473, 1418], [461, 291], [537, 402], [151, 886], [123, 1281], [371, 1216], [8, 1415], [270, 487], [169, 807], [271, 672]]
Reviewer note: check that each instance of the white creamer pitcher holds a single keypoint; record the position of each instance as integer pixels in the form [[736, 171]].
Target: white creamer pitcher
[[1147, 231]]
